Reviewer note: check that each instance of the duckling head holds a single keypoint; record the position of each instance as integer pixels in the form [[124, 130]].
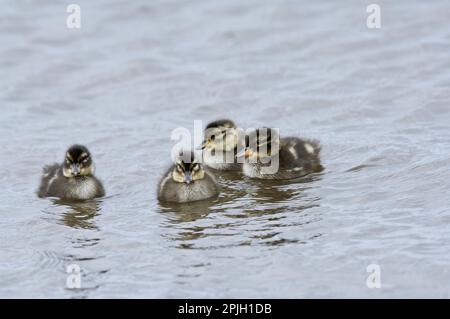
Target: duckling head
[[220, 135], [222, 123], [261, 144], [78, 162], [187, 171]]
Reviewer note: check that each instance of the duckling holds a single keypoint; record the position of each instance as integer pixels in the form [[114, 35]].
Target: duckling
[[269, 157], [220, 145], [72, 180], [187, 181]]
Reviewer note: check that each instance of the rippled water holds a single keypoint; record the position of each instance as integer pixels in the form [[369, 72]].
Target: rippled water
[[377, 99]]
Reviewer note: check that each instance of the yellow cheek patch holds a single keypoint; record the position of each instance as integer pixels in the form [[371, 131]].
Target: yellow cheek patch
[[197, 175], [177, 177], [207, 144], [86, 171], [66, 172]]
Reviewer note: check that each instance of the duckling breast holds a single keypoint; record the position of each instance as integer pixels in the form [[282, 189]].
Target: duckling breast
[[198, 190], [171, 191], [85, 188]]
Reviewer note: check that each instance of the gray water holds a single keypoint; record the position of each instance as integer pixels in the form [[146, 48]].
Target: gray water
[[377, 99]]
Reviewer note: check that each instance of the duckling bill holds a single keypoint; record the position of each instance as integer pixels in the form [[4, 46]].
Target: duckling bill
[[187, 181], [73, 179]]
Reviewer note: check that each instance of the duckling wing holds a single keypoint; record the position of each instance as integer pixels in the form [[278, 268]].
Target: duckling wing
[[99, 188], [167, 188], [49, 174], [50, 169]]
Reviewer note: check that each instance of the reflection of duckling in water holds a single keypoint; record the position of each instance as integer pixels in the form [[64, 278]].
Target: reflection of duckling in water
[[269, 157], [177, 213], [79, 214], [72, 180], [220, 146], [187, 181]]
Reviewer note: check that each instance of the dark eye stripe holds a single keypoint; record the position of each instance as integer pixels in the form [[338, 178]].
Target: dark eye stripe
[[194, 165]]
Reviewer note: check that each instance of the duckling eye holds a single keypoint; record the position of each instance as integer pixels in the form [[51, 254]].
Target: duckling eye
[[196, 167], [85, 160], [179, 168]]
